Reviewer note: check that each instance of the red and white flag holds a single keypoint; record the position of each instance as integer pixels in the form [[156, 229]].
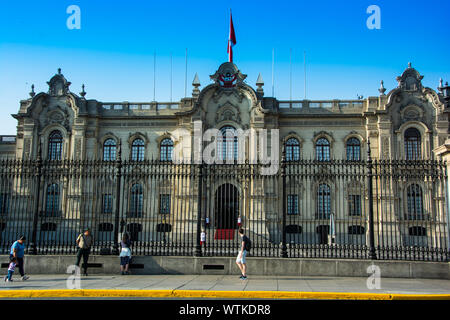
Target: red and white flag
[[231, 40]]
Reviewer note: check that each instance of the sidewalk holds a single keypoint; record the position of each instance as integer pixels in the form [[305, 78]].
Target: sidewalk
[[208, 286]]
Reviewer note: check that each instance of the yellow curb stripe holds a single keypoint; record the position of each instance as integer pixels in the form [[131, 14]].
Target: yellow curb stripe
[[216, 294]]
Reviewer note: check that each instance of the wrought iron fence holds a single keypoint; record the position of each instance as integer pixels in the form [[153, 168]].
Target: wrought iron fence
[[332, 209]]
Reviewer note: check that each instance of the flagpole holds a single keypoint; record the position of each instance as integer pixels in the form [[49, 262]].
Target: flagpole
[[230, 59], [304, 63], [185, 77], [231, 40], [273, 62], [154, 76], [290, 75], [171, 75]]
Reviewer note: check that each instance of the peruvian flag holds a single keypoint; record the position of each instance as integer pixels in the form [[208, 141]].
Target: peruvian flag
[[231, 40]]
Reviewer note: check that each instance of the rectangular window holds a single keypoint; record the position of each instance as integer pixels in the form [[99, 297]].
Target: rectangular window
[[52, 201], [415, 211], [137, 205], [4, 203], [107, 205], [292, 204], [354, 205], [164, 203]]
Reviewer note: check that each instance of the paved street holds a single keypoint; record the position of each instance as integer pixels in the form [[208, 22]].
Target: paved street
[[233, 283]]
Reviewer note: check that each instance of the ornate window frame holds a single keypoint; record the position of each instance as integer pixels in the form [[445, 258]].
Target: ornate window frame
[[424, 138]]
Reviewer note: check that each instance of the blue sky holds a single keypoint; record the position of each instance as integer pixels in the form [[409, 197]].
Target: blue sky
[[112, 53]]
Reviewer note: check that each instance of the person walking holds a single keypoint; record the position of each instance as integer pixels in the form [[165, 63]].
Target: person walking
[[245, 246], [18, 252], [84, 243], [11, 268], [125, 254]]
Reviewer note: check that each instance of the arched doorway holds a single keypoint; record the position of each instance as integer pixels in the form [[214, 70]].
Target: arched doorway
[[133, 230], [226, 207], [322, 232]]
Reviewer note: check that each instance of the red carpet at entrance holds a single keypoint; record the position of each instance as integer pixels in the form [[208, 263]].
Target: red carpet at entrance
[[224, 234]]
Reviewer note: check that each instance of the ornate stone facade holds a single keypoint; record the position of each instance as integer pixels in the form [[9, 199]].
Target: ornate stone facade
[[230, 101], [323, 130]]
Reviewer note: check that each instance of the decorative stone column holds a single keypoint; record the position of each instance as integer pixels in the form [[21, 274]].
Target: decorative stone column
[[443, 153]]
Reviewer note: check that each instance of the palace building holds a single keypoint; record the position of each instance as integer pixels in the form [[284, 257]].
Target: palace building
[[109, 165]]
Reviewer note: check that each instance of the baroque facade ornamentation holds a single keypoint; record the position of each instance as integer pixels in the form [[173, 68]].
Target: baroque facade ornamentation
[[157, 194]]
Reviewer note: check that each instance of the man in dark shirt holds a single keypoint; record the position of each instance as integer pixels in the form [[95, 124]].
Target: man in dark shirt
[[240, 260], [84, 243]]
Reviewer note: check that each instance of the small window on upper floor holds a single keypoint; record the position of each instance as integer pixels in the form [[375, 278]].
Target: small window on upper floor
[[353, 149], [323, 150], [292, 149], [137, 150], [166, 150], [109, 150]]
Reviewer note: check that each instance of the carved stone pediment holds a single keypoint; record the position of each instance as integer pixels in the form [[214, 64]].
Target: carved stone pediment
[[228, 112], [56, 115], [411, 113], [229, 93]]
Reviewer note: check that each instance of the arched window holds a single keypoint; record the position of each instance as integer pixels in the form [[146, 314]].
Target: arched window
[[109, 150], [55, 143], [105, 227], [137, 150], [323, 202], [137, 201], [52, 200], [134, 229], [292, 149], [163, 227], [166, 149], [414, 202], [48, 226], [227, 144], [353, 149], [322, 150], [353, 230], [412, 144], [417, 231], [293, 228]]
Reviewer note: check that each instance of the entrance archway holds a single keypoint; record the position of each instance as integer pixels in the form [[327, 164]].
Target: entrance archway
[[322, 232], [226, 207]]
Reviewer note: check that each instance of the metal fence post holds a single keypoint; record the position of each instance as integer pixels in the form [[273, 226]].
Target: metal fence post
[[284, 199], [37, 175], [372, 253], [198, 248], [115, 250]]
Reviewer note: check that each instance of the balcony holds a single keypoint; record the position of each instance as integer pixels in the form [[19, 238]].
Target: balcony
[[135, 214], [132, 107], [50, 214], [7, 139], [416, 216], [321, 104]]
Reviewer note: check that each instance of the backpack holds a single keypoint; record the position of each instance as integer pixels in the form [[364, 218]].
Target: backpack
[[248, 243]]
